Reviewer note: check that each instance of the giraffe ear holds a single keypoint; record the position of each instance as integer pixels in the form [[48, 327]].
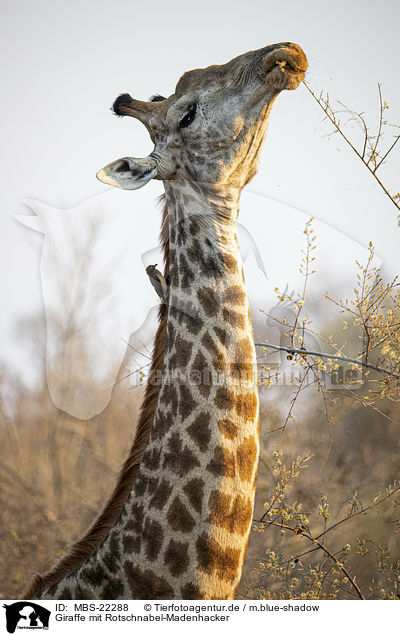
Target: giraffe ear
[[128, 173]]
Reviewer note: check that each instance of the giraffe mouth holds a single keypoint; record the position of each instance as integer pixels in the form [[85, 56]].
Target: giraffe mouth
[[287, 67], [128, 173], [284, 67]]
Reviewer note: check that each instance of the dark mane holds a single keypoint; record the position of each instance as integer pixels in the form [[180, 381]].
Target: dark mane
[[80, 551]]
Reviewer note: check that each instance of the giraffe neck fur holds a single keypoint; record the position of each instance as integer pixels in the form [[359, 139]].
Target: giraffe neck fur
[[183, 531]]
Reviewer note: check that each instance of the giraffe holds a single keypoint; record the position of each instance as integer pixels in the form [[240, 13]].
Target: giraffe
[[183, 528]]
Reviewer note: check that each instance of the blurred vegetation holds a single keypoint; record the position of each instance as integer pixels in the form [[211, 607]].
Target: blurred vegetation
[[328, 510], [55, 473], [347, 483]]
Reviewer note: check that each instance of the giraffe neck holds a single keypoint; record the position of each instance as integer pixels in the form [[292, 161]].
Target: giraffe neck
[[183, 531]]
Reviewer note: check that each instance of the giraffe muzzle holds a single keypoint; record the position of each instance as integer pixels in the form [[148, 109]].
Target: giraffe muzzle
[[128, 173], [284, 67]]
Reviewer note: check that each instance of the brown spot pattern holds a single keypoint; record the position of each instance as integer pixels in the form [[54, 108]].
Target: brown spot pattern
[[246, 406], [179, 458], [222, 335], [168, 395], [243, 368], [231, 513], [179, 518], [199, 363], [112, 556], [228, 428], [208, 342], [112, 589], [145, 584], [141, 485], [83, 593], [194, 491], [161, 495], [218, 357], [151, 458], [182, 353], [95, 575], [246, 456], [235, 295], [244, 350], [187, 276], [171, 335], [209, 301], [134, 522], [214, 559], [222, 463], [191, 592], [131, 543], [200, 431], [230, 263], [152, 538], [199, 374], [176, 557], [192, 323], [234, 318], [187, 404], [193, 228], [161, 426], [224, 399], [195, 253]]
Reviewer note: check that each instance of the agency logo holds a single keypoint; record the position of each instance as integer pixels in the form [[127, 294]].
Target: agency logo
[[26, 615]]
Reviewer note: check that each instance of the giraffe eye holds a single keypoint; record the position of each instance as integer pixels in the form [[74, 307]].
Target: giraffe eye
[[188, 118]]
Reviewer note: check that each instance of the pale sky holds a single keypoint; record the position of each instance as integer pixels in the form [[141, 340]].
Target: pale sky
[[64, 64]]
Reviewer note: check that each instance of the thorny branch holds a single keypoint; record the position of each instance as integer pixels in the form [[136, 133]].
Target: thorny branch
[[331, 356], [279, 512], [372, 160], [320, 546]]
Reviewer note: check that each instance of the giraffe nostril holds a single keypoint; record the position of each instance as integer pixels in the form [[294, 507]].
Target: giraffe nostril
[[285, 66]]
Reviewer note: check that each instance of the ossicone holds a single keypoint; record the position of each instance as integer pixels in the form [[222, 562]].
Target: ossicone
[[122, 104]]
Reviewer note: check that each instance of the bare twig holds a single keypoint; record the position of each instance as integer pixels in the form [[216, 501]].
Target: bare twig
[[331, 356], [359, 512], [331, 115], [305, 534]]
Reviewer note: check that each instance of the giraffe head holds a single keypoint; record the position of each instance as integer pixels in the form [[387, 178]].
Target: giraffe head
[[212, 128]]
